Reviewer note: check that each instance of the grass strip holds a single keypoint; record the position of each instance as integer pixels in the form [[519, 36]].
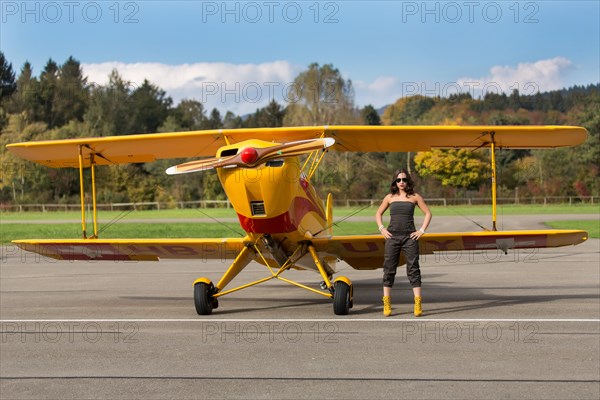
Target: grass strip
[[9, 232], [592, 227], [338, 212]]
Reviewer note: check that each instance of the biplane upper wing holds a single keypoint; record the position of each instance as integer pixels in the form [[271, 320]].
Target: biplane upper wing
[[366, 251], [151, 147]]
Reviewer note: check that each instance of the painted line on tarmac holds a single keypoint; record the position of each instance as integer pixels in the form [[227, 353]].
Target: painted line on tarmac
[[507, 320]]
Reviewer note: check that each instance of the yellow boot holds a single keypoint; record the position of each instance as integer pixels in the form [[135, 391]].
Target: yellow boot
[[387, 306], [418, 310]]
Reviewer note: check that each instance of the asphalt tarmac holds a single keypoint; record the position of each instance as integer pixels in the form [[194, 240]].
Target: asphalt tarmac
[[523, 326]]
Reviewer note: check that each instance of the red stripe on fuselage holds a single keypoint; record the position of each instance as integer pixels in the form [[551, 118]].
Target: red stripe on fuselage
[[283, 223]]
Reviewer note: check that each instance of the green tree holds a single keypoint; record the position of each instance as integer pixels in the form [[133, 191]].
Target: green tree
[[514, 101], [494, 101], [72, 94], [408, 110], [370, 116], [503, 118], [48, 93], [7, 79], [25, 101], [557, 102], [7, 88], [150, 107], [463, 168], [232, 121], [320, 96], [271, 116], [214, 120], [110, 108], [190, 114]]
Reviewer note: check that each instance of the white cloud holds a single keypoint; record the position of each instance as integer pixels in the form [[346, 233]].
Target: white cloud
[[240, 88], [383, 90], [528, 78]]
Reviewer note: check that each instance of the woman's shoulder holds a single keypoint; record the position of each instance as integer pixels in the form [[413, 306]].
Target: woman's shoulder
[[419, 199]]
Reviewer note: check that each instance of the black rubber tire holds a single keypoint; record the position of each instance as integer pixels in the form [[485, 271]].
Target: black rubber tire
[[202, 299], [341, 298]]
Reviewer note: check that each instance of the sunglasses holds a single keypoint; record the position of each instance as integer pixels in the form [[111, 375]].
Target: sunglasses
[[405, 180]]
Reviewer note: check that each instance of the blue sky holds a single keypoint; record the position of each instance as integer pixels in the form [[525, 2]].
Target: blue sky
[[238, 55]]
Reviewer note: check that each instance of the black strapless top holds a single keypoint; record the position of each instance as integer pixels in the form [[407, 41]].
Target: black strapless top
[[402, 217]]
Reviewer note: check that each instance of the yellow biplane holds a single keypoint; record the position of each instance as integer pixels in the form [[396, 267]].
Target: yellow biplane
[[286, 223]]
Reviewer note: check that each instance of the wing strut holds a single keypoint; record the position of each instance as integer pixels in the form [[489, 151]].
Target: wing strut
[[94, 205], [493, 149], [82, 194], [81, 191]]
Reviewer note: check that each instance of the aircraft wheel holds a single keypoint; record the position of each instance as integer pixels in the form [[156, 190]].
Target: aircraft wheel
[[341, 298], [202, 298]]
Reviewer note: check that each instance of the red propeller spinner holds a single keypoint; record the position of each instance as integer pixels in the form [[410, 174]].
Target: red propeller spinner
[[249, 155]]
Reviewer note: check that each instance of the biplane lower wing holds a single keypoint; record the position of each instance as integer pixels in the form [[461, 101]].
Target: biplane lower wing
[[134, 249], [366, 251], [361, 252]]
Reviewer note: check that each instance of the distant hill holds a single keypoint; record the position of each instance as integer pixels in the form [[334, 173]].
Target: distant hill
[[382, 109]]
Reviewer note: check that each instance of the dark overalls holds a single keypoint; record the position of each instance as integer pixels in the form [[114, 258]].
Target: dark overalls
[[402, 224]]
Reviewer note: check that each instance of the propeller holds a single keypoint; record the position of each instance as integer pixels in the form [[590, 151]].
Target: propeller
[[250, 157]]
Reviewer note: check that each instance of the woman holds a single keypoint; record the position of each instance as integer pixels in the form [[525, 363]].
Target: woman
[[401, 235]]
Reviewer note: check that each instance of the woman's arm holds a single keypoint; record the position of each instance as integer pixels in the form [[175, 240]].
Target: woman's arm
[[423, 206], [379, 217]]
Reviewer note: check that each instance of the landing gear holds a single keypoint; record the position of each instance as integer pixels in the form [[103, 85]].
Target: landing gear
[[342, 296], [340, 290], [323, 284], [203, 299]]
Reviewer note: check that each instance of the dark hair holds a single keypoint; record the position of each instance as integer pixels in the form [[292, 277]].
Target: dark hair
[[410, 185]]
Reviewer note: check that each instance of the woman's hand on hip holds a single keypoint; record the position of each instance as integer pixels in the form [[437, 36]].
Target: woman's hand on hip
[[416, 235], [386, 234]]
